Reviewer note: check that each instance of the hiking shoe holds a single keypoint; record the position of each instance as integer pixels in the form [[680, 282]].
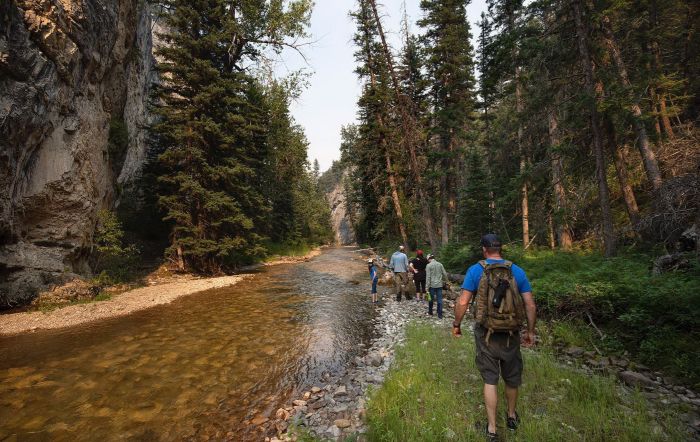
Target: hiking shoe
[[513, 422], [491, 437]]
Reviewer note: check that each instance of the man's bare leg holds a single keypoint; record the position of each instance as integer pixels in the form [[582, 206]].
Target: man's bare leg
[[511, 399], [491, 400]]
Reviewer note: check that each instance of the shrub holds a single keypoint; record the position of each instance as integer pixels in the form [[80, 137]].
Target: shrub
[[114, 262]]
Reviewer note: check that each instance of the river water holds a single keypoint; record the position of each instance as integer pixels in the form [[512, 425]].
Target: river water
[[198, 368]]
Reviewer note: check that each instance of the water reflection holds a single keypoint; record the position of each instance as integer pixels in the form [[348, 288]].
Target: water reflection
[[197, 368]]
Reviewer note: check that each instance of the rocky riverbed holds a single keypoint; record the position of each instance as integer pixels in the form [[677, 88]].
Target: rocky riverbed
[[336, 410]]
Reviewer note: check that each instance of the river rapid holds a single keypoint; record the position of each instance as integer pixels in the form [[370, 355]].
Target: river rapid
[[199, 368]]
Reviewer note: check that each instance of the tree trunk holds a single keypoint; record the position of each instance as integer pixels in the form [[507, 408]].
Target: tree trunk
[[444, 215], [524, 206], [524, 202], [651, 165], [621, 169], [550, 231], [665, 120], [603, 191], [395, 195], [563, 231], [410, 126]]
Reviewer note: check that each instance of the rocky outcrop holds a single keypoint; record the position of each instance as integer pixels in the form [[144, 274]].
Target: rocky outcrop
[[342, 226], [74, 81]]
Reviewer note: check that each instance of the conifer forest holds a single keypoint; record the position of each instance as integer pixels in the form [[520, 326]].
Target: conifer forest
[[205, 205]]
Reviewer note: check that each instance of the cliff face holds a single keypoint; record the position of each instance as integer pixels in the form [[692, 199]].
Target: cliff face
[[74, 77], [342, 226]]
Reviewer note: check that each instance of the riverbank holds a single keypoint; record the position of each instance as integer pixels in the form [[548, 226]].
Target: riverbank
[[119, 305], [416, 382], [163, 290]]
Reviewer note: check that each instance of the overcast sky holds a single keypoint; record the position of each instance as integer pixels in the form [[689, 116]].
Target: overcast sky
[[331, 97]]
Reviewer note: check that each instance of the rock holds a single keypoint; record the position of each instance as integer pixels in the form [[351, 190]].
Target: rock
[[334, 431], [299, 403], [340, 408], [307, 395], [342, 225], [315, 390], [259, 420], [634, 379], [317, 405], [342, 423], [574, 351], [282, 414], [281, 426], [374, 359], [340, 391], [619, 362], [68, 70]]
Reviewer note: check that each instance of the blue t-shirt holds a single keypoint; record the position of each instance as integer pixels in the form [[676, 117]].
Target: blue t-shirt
[[399, 262], [372, 273], [473, 276]]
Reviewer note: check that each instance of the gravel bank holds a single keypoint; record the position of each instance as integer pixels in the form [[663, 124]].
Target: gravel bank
[[164, 292], [119, 305]]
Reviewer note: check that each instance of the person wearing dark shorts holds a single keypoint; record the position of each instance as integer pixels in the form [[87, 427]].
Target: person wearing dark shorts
[[417, 267], [498, 355]]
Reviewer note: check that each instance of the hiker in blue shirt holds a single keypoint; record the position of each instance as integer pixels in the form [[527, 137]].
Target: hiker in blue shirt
[[399, 265], [497, 355], [374, 276]]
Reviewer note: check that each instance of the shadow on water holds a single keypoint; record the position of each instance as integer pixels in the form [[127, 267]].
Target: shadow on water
[[197, 368]]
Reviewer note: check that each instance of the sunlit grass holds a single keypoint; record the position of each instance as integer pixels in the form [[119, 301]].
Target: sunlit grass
[[434, 393]]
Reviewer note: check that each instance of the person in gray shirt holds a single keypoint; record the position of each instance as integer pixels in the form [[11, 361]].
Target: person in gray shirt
[[399, 265], [435, 279]]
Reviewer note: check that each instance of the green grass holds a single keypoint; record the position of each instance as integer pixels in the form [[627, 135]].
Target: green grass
[[275, 250], [434, 392], [102, 296]]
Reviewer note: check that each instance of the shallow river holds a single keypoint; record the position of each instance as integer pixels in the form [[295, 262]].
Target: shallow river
[[198, 368]]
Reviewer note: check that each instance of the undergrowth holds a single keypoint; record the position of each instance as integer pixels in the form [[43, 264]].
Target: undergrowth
[[656, 318]]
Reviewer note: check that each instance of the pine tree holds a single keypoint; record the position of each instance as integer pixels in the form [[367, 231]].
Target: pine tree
[[212, 126], [450, 65]]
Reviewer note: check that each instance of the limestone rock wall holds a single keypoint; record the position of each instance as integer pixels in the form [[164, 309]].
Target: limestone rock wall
[[68, 70], [342, 225]]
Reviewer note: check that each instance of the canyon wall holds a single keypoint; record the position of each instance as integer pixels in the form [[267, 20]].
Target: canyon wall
[[340, 220], [74, 82]]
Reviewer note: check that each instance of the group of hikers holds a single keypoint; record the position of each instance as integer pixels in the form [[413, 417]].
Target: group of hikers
[[498, 294]]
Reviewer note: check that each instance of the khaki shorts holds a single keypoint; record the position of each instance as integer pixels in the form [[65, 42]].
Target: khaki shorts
[[499, 358], [400, 281]]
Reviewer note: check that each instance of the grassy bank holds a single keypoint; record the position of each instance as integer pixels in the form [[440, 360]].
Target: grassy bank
[[655, 318], [433, 392], [276, 250]]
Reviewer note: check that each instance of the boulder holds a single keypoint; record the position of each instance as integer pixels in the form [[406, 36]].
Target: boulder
[[574, 351], [634, 379]]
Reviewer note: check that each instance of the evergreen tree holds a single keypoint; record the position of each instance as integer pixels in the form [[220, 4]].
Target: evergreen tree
[[212, 128], [450, 64]]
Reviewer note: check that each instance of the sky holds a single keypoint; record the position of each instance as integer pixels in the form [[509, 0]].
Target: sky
[[330, 99]]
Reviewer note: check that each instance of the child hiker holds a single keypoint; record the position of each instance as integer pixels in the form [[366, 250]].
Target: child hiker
[[374, 276]]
